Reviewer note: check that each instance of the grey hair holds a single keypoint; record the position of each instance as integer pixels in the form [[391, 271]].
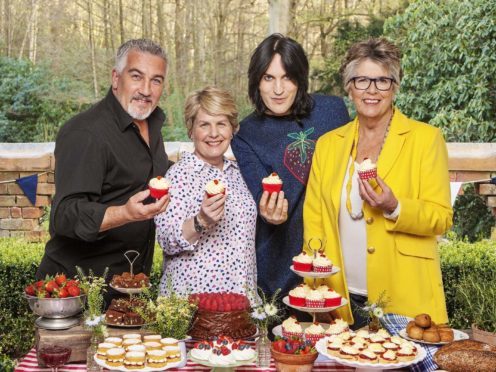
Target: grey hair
[[140, 45], [378, 50]]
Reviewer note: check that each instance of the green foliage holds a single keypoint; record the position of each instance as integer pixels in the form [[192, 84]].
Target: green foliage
[[18, 263], [33, 103], [449, 66], [459, 260], [472, 219], [348, 33]]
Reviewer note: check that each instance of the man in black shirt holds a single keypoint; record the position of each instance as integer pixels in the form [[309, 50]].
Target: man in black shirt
[[105, 157]]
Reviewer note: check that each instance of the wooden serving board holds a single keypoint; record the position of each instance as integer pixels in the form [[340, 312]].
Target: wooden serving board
[[78, 339]]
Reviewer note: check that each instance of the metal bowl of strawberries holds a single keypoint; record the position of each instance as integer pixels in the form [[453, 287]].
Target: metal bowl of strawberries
[[55, 297]]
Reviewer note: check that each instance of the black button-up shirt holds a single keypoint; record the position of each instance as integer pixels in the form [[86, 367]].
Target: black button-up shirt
[[101, 161]]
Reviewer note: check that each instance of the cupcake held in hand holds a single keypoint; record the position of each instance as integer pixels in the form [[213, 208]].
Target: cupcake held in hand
[[272, 183], [367, 169], [159, 186], [215, 187]]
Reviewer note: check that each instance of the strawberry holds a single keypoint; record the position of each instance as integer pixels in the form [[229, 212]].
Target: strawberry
[[39, 284], [60, 279], [72, 283], [224, 350], [73, 291], [279, 345], [30, 290], [298, 155], [63, 293], [51, 286]]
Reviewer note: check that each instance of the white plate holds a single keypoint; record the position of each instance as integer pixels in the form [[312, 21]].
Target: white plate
[[344, 301], [321, 347], [277, 330], [208, 364], [128, 290], [180, 364], [458, 335], [313, 274]]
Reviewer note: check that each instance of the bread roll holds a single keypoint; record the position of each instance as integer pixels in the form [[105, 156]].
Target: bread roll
[[415, 332], [446, 334], [431, 335], [423, 320]]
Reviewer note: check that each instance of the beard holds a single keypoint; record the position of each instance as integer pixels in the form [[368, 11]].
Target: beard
[[137, 113]]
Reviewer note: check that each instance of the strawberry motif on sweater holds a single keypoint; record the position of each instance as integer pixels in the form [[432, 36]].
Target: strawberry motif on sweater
[[298, 154]]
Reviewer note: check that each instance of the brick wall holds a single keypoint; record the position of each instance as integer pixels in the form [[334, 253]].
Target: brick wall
[[467, 162]]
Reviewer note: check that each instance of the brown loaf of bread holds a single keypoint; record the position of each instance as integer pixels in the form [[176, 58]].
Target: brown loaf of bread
[[466, 355]]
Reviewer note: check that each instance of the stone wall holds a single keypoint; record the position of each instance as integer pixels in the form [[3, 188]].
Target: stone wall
[[467, 162]]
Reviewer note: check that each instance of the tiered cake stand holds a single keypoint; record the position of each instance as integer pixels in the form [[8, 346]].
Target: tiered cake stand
[[315, 276], [128, 291]]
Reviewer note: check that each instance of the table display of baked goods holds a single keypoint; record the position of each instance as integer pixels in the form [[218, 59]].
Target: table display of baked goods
[[423, 330], [293, 353], [133, 352], [364, 349], [122, 312], [224, 313], [222, 352], [130, 283], [466, 355]]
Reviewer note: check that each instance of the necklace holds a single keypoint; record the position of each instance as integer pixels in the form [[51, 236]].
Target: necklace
[[354, 150]]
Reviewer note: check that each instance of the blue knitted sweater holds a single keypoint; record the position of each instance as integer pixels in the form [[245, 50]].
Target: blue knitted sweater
[[266, 144]]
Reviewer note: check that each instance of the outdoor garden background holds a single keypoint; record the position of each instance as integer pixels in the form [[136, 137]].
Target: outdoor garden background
[[56, 57]]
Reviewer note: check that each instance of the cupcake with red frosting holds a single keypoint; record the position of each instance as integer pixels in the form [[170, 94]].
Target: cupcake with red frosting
[[367, 169], [215, 187], [321, 264], [303, 262], [272, 183], [159, 186]]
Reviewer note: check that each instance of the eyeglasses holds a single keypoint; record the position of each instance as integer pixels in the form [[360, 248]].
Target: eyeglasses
[[381, 83]]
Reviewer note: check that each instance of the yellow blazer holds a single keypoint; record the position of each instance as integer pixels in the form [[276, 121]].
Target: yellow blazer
[[405, 261]]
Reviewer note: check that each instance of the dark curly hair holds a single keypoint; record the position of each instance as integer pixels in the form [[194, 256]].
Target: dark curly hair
[[295, 64]]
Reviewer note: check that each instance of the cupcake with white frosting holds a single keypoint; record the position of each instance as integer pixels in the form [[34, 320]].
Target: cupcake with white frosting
[[367, 169], [331, 298], [314, 299], [303, 262], [297, 296], [215, 187], [314, 333], [272, 183], [292, 328], [159, 186], [321, 264]]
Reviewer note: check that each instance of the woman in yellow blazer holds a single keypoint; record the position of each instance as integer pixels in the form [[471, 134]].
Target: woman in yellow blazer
[[381, 232]]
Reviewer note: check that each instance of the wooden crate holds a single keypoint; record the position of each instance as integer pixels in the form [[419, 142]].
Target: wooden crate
[[77, 338]]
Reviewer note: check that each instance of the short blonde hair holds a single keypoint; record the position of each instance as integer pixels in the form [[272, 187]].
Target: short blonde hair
[[379, 50], [214, 101]]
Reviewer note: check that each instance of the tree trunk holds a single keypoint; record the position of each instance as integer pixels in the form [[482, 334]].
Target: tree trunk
[[180, 61], [279, 16], [33, 31], [160, 24], [121, 22], [92, 46]]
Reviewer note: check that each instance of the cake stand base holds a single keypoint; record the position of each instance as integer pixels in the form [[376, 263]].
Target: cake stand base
[[56, 324]]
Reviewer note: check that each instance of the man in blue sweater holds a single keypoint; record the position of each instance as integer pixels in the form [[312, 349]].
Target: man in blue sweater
[[280, 136]]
